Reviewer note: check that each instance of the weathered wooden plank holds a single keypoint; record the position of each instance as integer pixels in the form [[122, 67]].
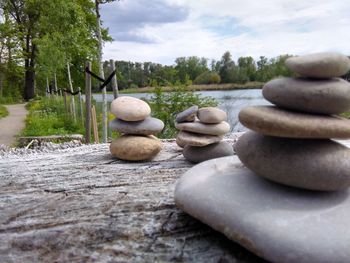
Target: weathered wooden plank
[[82, 205]]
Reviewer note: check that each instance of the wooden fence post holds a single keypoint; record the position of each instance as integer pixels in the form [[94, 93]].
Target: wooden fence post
[[81, 106], [94, 123], [88, 104], [114, 80], [104, 110]]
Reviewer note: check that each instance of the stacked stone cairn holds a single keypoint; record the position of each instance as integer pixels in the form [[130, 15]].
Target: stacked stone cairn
[[201, 133], [291, 143], [133, 120]]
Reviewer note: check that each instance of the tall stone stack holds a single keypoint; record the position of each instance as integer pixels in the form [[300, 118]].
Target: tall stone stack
[[201, 133], [291, 143], [133, 120]]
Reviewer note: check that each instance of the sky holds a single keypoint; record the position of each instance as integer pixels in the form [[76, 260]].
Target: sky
[[162, 30]]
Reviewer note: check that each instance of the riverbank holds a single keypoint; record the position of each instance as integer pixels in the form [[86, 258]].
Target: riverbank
[[228, 86]]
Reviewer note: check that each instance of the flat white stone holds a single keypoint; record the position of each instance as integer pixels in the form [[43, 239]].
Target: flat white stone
[[276, 222]]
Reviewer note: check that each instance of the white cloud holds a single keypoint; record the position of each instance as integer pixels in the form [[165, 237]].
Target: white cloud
[[267, 27]]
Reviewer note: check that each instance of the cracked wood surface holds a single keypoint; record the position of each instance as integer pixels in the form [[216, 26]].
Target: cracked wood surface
[[82, 205]]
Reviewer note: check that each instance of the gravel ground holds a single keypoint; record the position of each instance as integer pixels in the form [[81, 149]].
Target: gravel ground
[[47, 147]]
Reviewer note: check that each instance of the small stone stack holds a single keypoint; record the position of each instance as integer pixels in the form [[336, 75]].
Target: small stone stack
[[291, 144], [133, 120], [201, 133]]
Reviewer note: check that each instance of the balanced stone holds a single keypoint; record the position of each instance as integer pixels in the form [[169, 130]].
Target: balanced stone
[[328, 96], [278, 223], [320, 65], [135, 148], [203, 128], [180, 143], [194, 139], [270, 120], [147, 126], [311, 164], [200, 154], [187, 115], [130, 109], [211, 115]]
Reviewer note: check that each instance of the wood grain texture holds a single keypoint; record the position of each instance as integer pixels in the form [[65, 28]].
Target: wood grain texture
[[82, 205]]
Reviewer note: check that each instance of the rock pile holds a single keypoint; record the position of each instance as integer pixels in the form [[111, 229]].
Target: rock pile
[[281, 219], [291, 143], [201, 133], [133, 120]]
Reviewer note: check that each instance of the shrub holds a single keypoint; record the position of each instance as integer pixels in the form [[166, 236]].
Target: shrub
[[3, 111], [207, 78], [166, 105]]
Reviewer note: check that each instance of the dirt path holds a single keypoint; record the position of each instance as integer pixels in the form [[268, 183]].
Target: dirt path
[[11, 125]]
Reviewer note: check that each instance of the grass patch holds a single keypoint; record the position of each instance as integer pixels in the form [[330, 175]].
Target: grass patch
[[49, 117], [3, 111], [229, 86]]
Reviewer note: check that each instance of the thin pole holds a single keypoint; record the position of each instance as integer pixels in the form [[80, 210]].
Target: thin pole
[[81, 106], [100, 68], [114, 80], [71, 90], [94, 123], [88, 104]]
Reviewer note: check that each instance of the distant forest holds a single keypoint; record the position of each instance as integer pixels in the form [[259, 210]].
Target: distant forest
[[196, 70]]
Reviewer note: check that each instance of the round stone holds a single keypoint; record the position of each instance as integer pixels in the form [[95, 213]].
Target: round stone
[[146, 127], [310, 164], [320, 65], [180, 143], [200, 154], [328, 96], [278, 223], [203, 128], [130, 109], [270, 120], [211, 115], [187, 115], [194, 139], [135, 148]]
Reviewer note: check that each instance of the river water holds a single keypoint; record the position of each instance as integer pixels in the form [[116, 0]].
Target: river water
[[231, 101]]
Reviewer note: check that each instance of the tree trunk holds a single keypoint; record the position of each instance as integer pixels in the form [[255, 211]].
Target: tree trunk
[[29, 84]]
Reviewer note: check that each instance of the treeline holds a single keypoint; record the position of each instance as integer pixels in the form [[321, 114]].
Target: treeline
[[195, 70]]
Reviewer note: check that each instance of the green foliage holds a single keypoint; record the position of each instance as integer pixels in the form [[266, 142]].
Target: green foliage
[[48, 117], [207, 78], [190, 67], [3, 111], [166, 106]]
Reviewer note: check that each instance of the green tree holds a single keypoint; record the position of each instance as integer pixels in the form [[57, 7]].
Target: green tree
[[247, 68], [227, 68], [49, 33], [190, 67], [207, 77]]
